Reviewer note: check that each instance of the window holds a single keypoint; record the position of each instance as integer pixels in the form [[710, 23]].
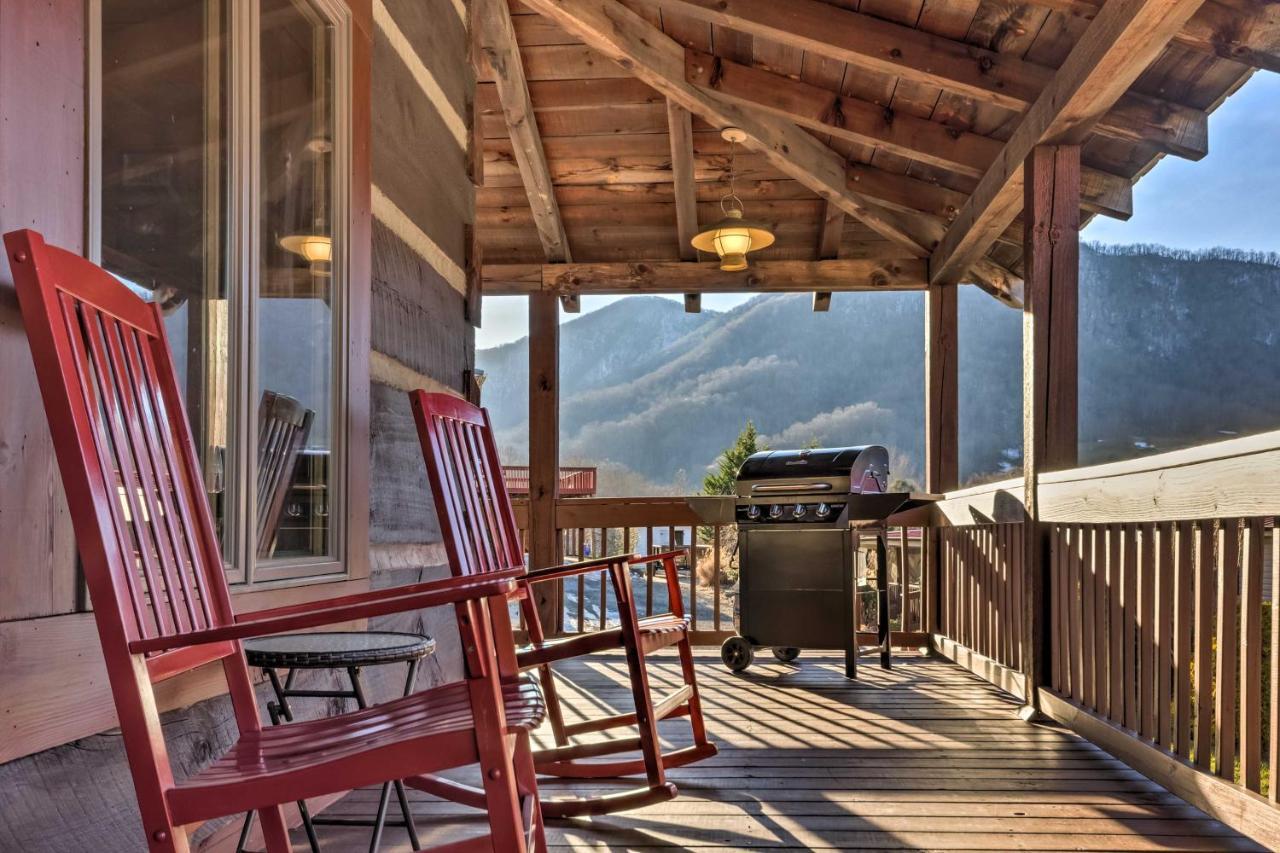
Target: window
[[219, 180]]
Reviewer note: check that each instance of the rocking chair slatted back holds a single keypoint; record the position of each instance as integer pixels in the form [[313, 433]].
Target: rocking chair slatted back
[[283, 427], [479, 525], [146, 538]]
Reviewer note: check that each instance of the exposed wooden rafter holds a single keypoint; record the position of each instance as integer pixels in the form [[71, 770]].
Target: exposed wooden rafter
[[1121, 42], [680, 129], [901, 51], [654, 57], [643, 49], [845, 275], [1232, 29], [496, 41], [869, 123]]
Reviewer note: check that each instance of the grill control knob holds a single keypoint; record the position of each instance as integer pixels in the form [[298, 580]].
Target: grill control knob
[[798, 511], [775, 511], [823, 510], [753, 512]]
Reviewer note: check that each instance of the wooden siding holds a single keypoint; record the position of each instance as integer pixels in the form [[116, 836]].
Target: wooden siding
[[42, 98]]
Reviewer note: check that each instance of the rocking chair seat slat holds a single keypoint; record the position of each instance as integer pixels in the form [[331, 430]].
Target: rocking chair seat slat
[[361, 748], [656, 632]]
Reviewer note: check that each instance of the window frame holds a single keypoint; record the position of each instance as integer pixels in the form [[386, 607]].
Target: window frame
[[347, 535]]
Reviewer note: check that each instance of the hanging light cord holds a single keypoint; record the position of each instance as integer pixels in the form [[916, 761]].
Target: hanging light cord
[[733, 193]]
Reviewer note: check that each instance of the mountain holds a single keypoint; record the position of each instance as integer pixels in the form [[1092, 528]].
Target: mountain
[[1175, 348]]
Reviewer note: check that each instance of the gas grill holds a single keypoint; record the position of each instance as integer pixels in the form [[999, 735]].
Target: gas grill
[[802, 516]]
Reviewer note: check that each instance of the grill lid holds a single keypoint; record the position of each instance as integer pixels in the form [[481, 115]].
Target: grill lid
[[862, 468]]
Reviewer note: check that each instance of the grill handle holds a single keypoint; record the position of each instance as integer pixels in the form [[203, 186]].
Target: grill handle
[[781, 488]]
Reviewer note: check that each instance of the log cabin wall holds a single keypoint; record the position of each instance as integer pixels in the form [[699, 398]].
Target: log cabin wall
[[56, 716], [423, 202]]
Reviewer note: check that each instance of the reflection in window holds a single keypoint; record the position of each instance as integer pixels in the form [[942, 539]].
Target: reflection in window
[[221, 199], [164, 195], [295, 320]]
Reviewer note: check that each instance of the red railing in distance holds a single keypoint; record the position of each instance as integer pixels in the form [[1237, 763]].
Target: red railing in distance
[[574, 482]]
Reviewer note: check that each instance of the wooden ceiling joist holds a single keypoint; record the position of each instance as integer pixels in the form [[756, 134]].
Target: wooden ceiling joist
[[676, 277], [872, 124], [1119, 45], [921, 57], [680, 129], [1238, 30], [657, 59], [496, 40]]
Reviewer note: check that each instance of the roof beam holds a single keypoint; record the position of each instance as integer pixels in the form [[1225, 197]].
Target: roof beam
[[909, 136], [844, 275], [1240, 31], [496, 39], [680, 129], [657, 59], [919, 56], [1121, 42]]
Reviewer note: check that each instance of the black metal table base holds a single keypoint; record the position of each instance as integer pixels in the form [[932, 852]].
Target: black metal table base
[[279, 710]]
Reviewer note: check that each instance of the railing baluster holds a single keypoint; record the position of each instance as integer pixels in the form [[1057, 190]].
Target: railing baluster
[[1273, 751], [1228, 647], [1129, 549], [715, 579], [1205, 594], [1251, 656], [1146, 631], [1083, 552], [604, 579], [1184, 598], [1102, 622], [1164, 634]]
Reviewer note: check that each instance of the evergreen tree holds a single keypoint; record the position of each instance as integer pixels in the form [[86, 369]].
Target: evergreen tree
[[722, 480]]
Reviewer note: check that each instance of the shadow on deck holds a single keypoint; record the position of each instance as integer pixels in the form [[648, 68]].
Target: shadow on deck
[[926, 756]]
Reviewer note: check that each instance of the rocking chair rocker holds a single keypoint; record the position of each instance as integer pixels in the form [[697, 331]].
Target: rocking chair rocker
[[481, 536], [151, 559]]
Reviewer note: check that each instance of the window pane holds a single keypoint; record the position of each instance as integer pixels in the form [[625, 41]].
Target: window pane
[[164, 196], [295, 374]]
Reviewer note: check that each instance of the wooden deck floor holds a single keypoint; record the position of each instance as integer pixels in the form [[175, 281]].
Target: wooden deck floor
[[923, 757]]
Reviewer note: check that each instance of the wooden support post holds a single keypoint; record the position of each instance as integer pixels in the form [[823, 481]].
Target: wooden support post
[[544, 451], [941, 380], [1051, 214]]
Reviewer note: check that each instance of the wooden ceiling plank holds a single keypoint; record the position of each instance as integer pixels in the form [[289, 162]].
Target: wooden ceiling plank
[[789, 276], [496, 39], [654, 57], [680, 129], [948, 64], [1125, 37], [862, 121]]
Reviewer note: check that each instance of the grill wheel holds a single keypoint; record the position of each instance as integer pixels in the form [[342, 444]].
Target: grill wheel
[[786, 654], [737, 654]]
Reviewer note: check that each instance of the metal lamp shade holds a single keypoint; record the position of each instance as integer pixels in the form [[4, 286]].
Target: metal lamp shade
[[732, 238]]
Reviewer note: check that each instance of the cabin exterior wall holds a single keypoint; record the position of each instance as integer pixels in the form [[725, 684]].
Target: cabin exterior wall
[[64, 781]]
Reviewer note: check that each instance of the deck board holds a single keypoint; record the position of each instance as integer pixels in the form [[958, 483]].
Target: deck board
[[924, 757]]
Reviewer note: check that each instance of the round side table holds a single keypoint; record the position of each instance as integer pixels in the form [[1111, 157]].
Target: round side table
[[350, 651]]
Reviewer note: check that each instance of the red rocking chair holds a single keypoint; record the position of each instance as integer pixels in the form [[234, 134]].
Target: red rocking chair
[[482, 537], [162, 606]]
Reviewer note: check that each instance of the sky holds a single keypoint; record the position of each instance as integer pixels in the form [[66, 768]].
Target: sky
[[1230, 198]]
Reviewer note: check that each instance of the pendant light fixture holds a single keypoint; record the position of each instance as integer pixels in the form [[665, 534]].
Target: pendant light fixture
[[315, 246], [733, 236]]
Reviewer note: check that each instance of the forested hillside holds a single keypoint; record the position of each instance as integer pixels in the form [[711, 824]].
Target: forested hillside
[[1176, 349]]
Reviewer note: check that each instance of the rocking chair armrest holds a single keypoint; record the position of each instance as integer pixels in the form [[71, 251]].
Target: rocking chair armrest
[[661, 557], [568, 570], [343, 609], [671, 573]]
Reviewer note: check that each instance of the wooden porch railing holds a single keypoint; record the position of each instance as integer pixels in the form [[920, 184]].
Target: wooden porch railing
[[595, 526], [1158, 637]]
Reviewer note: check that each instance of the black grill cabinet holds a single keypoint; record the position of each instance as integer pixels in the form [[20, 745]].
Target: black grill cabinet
[[798, 514]]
